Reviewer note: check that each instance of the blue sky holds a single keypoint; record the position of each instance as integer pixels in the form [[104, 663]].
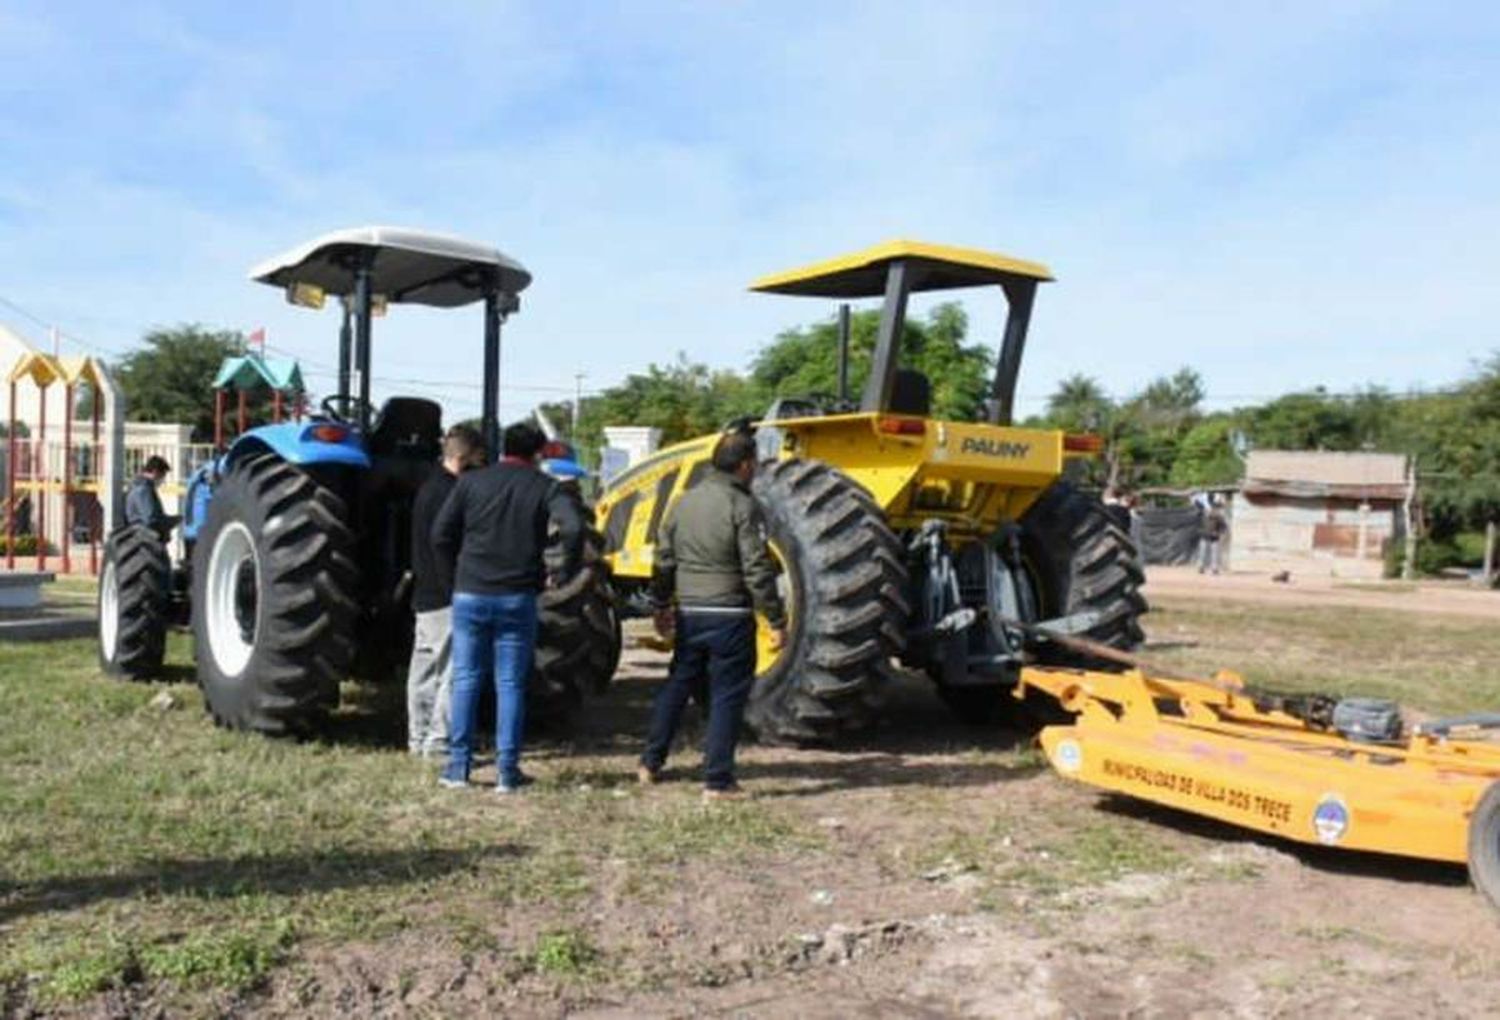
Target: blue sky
[[1296, 195]]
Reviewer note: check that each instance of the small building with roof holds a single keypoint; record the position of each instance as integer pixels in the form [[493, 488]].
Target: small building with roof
[[1333, 513]]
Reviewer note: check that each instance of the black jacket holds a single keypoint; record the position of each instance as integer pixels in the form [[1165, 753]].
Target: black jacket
[[492, 531], [432, 576], [143, 506]]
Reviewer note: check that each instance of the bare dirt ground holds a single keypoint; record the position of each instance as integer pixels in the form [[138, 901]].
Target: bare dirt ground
[[954, 876]]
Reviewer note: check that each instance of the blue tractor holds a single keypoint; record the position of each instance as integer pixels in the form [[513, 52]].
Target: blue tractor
[[298, 535]]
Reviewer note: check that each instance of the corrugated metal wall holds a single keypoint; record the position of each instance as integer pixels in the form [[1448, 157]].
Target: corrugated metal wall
[[1344, 537]]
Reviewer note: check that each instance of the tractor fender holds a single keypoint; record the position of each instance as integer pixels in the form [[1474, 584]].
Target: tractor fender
[[195, 503], [301, 443]]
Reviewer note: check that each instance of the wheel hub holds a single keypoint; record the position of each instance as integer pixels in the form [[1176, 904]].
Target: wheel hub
[[232, 598], [109, 610]]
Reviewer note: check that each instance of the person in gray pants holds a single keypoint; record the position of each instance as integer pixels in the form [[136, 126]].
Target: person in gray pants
[[429, 677]]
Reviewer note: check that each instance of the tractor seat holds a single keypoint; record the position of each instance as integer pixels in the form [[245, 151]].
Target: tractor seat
[[911, 393], [408, 427]]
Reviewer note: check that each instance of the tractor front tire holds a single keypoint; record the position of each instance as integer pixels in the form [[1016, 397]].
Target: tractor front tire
[[844, 584], [275, 599], [134, 603], [578, 637]]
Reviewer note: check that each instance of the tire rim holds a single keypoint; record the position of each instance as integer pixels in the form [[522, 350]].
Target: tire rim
[[232, 591], [109, 611], [765, 658]]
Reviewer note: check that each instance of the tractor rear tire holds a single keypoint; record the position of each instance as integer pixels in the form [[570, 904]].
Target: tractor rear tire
[[1082, 561], [1077, 560], [134, 603], [578, 637], [275, 599], [846, 578]]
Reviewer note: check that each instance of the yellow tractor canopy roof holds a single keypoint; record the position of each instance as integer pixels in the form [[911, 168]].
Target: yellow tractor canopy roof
[[862, 274]]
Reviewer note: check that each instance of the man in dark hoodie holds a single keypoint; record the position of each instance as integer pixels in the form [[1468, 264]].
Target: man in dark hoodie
[[492, 533]]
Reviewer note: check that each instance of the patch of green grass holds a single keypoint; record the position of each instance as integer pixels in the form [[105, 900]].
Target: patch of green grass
[[88, 973], [1441, 664], [237, 959], [1099, 851], [673, 830], [1237, 871], [568, 954]]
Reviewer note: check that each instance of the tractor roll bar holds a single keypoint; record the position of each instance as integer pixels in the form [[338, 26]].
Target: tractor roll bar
[[362, 303], [887, 342], [499, 303], [1020, 295]]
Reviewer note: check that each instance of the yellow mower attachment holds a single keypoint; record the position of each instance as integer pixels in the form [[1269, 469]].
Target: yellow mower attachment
[[1280, 764]]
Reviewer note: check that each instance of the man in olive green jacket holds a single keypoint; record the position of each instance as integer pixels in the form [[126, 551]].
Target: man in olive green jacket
[[711, 556]]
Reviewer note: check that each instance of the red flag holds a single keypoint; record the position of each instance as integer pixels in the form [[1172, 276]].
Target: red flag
[[258, 338]]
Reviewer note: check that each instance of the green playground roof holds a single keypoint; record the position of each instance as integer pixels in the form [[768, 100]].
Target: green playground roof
[[251, 371]]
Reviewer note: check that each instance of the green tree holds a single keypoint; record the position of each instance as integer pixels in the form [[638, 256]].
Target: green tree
[[804, 361], [1151, 425], [683, 399], [1079, 404], [1312, 420], [1205, 455], [169, 378], [1455, 438]]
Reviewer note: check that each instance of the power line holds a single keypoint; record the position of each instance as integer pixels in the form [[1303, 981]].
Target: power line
[[458, 384], [51, 327]]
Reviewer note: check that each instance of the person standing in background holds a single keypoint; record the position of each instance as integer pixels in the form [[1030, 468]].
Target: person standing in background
[[429, 676], [1211, 538]]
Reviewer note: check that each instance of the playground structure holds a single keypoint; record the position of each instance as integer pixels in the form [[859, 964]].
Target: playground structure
[[62, 494], [247, 373]]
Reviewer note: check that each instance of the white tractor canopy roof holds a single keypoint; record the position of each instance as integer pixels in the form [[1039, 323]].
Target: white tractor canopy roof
[[408, 266]]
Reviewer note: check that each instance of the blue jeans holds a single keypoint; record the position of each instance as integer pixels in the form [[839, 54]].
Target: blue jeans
[[721, 651], [493, 636]]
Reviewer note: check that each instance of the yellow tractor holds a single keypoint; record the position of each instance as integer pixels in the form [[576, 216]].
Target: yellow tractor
[[903, 537]]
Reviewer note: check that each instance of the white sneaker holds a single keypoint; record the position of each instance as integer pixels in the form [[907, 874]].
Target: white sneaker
[[453, 784]]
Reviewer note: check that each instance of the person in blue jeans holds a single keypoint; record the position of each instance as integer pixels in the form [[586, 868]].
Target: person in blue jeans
[[711, 573], [492, 533]]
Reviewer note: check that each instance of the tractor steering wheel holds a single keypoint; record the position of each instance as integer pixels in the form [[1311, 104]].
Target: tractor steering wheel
[[342, 409]]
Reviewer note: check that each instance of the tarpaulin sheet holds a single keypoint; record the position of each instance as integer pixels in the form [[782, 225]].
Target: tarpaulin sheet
[[1168, 535]]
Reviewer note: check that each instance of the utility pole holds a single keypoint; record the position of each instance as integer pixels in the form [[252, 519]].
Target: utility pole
[[577, 404], [1409, 508]]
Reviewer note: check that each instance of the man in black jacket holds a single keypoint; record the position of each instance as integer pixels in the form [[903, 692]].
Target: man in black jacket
[[429, 675], [143, 504], [492, 532]]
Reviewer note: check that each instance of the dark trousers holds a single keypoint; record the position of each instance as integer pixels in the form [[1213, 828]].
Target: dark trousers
[[721, 650]]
